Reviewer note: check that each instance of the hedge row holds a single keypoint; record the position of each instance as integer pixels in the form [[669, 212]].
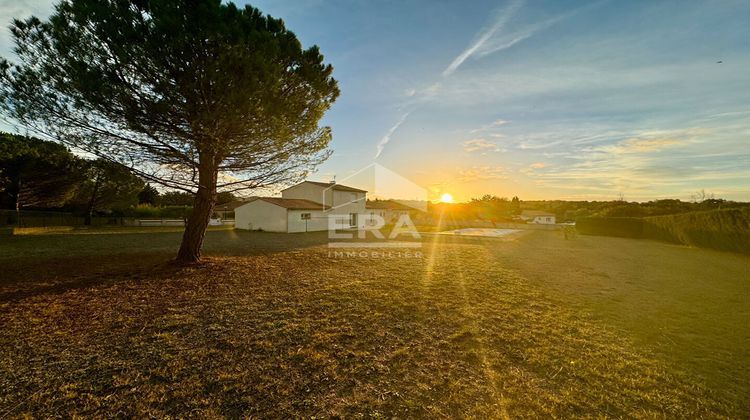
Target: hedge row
[[725, 230], [626, 227]]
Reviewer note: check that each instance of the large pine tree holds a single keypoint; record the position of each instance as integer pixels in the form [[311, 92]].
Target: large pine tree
[[195, 95]]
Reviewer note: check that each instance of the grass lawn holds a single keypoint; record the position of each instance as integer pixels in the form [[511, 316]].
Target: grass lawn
[[273, 325]]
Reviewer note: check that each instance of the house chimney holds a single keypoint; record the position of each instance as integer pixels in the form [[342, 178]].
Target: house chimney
[[333, 181]]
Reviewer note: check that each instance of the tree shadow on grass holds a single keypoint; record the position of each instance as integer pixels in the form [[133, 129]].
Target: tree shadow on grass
[[26, 277]]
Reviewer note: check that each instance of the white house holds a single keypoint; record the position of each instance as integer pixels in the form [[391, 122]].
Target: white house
[[305, 207], [538, 217]]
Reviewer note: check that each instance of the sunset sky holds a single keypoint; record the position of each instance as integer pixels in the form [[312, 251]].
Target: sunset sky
[[568, 100]]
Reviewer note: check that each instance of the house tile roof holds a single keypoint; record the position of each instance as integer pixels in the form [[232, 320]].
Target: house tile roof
[[337, 187], [293, 203], [230, 206]]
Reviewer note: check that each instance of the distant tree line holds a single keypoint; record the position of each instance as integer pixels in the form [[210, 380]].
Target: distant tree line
[[40, 175], [500, 209], [574, 210]]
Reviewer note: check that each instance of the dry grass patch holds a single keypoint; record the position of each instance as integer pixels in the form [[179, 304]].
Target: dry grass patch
[[298, 333]]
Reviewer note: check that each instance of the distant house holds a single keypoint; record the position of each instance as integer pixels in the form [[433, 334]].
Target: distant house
[[538, 217], [305, 207], [389, 210]]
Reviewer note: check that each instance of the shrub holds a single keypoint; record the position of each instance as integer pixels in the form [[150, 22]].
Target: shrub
[[724, 230], [626, 227], [145, 211]]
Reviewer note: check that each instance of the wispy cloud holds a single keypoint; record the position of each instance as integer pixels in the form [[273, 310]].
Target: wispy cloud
[[387, 137], [638, 145], [417, 97], [504, 42], [481, 173], [502, 18], [491, 126], [645, 164], [480, 145], [646, 141], [491, 39], [531, 169]]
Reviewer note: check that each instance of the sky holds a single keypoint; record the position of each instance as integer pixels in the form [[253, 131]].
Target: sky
[[591, 100]]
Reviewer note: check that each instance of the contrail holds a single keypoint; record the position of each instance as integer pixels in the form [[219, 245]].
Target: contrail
[[503, 17], [501, 20], [387, 137]]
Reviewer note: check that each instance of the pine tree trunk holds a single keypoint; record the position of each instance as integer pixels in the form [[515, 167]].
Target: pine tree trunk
[[203, 206], [92, 202]]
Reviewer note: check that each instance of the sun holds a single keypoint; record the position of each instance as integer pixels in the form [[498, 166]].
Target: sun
[[446, 198]]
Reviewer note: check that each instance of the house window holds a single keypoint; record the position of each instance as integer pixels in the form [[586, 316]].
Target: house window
[[305, 216], [352, 219]]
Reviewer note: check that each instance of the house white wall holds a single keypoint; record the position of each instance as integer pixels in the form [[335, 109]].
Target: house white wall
[[308, 191], [259, 214], [341, 203], [318, 221], [355, 200], [348, 202], [544, 220]]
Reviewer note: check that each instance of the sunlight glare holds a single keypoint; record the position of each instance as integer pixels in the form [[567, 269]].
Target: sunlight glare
[[446, 198]]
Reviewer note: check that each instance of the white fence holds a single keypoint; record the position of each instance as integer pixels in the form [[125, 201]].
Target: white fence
[[179, 222]]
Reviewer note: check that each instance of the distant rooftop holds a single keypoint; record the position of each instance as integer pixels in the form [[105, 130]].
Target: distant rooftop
[[533, 213], [386, 205]]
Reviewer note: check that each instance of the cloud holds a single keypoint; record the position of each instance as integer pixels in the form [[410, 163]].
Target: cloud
[[493, 125], [21, 10], [481, 173], [416, 99], [512, 39], [648, 164], [531, 169], [480, 145], [502, 18], [387, 137], [647, 141], [639, 145], [487, 42]]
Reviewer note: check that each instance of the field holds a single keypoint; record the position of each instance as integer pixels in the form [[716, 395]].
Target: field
[[274, 325]]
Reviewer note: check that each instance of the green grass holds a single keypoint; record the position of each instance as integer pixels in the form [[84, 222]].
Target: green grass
[[272, 326]]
